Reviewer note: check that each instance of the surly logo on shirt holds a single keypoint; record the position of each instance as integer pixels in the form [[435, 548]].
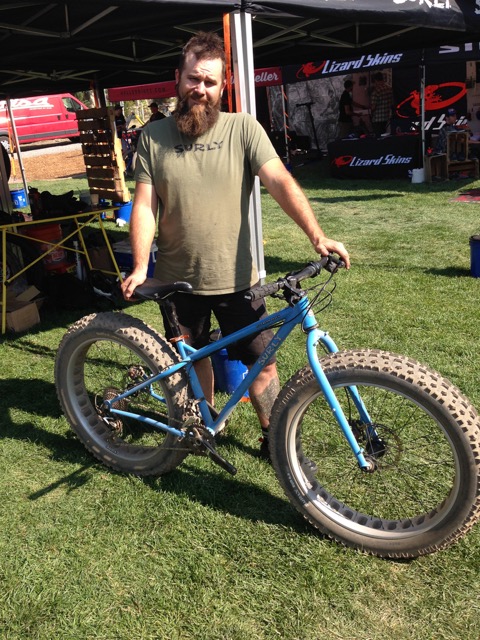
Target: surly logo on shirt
[[211, 146]]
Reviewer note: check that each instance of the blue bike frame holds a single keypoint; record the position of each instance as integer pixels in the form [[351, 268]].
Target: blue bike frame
[[288, 318]]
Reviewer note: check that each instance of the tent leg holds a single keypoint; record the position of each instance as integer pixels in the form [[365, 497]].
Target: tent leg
[[17, 147], [244, 74], [422, 110]]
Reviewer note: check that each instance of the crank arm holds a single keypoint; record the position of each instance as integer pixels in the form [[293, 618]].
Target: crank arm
[[217, 458]]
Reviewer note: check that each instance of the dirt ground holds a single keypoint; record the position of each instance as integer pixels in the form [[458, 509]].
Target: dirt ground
[[53, 166]]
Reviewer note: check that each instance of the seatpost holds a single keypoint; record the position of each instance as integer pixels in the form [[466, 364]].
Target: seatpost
[[171, 316]]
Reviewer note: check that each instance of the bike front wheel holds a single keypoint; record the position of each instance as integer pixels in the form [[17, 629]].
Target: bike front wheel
[[423, 439], [100, 357]]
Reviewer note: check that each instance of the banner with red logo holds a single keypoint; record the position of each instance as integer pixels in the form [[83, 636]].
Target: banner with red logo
[[143, 91], [335, 67], [314, 70], [267, 77], [444, 88]]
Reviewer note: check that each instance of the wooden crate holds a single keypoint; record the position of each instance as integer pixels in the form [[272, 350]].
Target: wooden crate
[[102, 153], [436, 167]]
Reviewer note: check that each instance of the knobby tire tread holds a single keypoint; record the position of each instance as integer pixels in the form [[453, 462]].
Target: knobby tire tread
[[420, 378], [140, 338]]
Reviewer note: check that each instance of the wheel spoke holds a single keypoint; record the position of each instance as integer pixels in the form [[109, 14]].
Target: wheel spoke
[[424, 451], [103, 356]]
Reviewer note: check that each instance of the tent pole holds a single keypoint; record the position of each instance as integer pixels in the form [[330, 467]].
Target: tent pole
[[5, 198], [288, 162], [17, 147], [244, 76], [228, 55], [422, 108]]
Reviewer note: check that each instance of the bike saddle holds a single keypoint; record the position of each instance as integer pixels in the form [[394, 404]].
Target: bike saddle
[[153, 289]]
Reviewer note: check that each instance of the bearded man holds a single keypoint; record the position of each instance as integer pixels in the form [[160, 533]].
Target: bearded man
[[194, 176]]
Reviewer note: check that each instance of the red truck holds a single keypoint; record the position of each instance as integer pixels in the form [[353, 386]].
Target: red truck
[[41, 118]]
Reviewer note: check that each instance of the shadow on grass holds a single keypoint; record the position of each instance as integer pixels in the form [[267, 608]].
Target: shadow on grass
[[23, 344], [278, 264], [230, 495], [73, 481], [30, 395], [37, 398], [358, 198], [210, 487], [450, 272]]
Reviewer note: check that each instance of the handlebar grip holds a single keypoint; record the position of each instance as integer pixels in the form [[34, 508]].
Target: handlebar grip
[[264, 290], [310, 271], [334, 263], [330, 263]]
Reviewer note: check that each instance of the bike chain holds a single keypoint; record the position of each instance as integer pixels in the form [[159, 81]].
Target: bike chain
[[198, 439]]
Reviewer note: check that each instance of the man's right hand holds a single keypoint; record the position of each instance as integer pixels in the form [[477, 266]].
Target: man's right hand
[[129, 285]]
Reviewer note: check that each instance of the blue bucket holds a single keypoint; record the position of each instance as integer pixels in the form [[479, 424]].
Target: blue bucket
[[228, 374], [475, 256], [19, 198], [124, 210]]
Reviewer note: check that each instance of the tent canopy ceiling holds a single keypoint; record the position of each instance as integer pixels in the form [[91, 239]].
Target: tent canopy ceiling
[[51, 47]]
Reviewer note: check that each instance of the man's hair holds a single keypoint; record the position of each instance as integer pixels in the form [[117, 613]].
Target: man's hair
[[205, 46], [348, 84]]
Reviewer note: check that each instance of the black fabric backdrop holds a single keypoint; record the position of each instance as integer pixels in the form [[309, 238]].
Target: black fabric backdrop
[[49, 47]]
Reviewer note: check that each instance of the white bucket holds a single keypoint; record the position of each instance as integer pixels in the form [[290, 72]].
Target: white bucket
[[418, 176]]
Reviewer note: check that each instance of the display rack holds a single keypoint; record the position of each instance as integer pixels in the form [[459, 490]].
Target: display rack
[[80, 220], [102, 153]]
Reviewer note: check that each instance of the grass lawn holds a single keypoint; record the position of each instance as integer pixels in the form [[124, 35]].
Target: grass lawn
[[88, 553]]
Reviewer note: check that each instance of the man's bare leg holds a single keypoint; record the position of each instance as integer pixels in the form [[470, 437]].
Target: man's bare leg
[[263, 392], [204, 371]]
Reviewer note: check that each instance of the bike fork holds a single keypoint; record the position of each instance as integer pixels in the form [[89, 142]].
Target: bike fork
[[313, 337]]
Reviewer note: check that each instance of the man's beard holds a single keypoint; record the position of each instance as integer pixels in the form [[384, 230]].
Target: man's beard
[[196, 120]]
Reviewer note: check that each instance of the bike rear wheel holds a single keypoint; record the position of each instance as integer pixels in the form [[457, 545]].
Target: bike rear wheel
[[103, 355], [424, 493]]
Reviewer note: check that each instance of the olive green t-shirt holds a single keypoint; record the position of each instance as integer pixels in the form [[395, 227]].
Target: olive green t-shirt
[[203, 186]]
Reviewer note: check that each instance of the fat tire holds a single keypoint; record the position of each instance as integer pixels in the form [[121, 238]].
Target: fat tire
[[310, 469], [136, 343]]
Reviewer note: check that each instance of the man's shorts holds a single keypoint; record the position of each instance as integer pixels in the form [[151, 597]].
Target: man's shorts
[[232, 312]]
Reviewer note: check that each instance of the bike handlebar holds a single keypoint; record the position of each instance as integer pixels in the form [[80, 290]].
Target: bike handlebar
[[331, 263], [264, 290]]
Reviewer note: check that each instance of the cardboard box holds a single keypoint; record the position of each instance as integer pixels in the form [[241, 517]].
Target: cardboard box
[[22, 311], [32, 294], [22, 315]]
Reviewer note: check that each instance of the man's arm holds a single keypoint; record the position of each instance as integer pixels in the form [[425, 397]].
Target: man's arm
[[286, 191], [142, 233]]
